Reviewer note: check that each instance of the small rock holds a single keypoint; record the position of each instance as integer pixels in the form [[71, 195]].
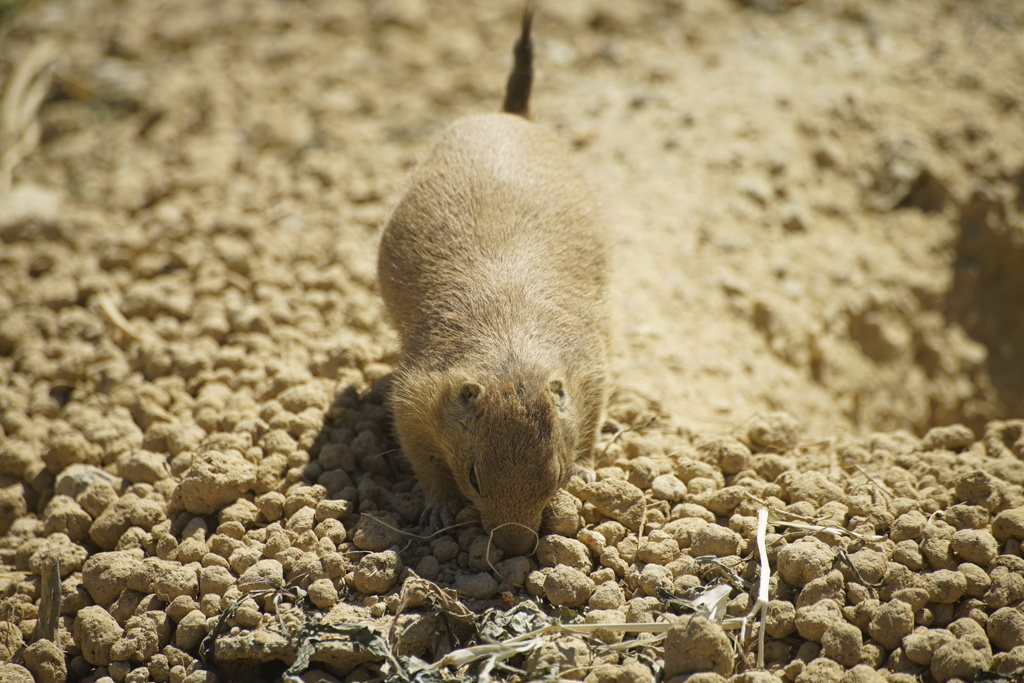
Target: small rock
[[144, 635], [803, 561], [215, 479], [606, 616], [322, 593], [716, 540], [668, 487], [58, 548], [15, 673], [820, 670], [329, 508], [262, 575], [168, 579], [658, 548], [957, 659], [553, 550], [971, 632], [630, 671], [978, 546], [682, 530], [979, 488], [813, 487], [978, 582], [74, 479], [922, 643], [1007, 587], [568, 586], [694, 644], [964, 516], [96, 632], [909, 526], [1009, 662], [954, 438], [728, 455], [1009, 524], [776, 432], [370, 534], [512, 571], [642, 470], [813, 621], [945, 586], [607, 595], [46, 662], [570, 654], [617, 499], [871, 566], [215, 579], [862, 673], [64, 515], [831, 586], [376, 573], [724, 501], [892, 621], [654, 576], [842, 642], [780, 621], [562, 515], [1006, 628], [191, 629], [477, 586], [105, 575]]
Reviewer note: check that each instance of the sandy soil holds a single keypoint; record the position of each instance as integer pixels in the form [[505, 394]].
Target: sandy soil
[[818, 209]]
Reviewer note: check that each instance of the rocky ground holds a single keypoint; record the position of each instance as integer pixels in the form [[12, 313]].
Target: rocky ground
[[819, 220]]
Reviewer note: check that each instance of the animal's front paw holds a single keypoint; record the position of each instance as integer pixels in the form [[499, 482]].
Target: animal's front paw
[[437, 516], [583, 472]]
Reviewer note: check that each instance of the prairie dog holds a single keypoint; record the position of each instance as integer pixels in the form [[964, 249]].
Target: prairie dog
[[493, 268]]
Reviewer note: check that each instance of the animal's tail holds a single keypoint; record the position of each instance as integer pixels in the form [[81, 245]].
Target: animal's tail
[[517, 92]]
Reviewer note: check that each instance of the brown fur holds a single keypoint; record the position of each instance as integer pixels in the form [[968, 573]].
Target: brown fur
[[493, 268]]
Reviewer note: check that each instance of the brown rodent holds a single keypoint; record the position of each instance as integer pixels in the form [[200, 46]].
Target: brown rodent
[[493, 268]]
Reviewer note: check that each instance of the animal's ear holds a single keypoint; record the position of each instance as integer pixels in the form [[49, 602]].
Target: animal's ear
[[470, 394], [558, 393]]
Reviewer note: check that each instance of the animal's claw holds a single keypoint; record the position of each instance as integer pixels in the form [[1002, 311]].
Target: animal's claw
[[437, 516], [585, 473]]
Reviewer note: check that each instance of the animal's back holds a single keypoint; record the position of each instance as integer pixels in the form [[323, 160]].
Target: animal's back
[[497, 238]]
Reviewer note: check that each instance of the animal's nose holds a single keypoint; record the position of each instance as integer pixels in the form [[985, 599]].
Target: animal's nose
[[514, 539]]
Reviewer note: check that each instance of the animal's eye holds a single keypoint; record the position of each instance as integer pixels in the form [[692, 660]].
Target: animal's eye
[[473, 481]]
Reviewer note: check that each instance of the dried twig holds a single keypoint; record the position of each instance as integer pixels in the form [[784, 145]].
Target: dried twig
[[632, 428], [49, 605], [882, 488], [412, 535], [25, 92], [834, 530], [732, 576], [843, 555], [116, 318], [760, 608]]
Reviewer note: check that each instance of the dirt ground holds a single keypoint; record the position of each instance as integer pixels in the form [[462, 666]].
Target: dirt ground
[[818, 212]]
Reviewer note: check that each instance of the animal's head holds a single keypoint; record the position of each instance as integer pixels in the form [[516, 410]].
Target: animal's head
[[512, 442]]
